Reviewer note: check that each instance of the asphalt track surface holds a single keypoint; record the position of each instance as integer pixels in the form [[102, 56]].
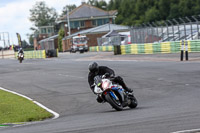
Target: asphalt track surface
[[168, 93]]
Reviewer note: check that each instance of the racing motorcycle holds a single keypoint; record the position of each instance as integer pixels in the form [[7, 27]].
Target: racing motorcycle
[[20, 57], [113, 93]]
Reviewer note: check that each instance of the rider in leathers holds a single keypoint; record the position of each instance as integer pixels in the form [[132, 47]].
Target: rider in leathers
[[21, 51], [95, 70]]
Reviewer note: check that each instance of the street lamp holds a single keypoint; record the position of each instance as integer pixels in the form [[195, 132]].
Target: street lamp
[[68, 23]]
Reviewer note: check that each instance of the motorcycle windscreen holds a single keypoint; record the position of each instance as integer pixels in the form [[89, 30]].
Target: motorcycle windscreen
[[97, 80]]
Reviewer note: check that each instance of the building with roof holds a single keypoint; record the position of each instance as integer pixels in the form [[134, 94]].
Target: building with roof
[[93, 33], [84, 17], [81, 18]]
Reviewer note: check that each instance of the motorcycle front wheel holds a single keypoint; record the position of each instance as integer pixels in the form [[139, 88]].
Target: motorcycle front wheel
[[20, 60], [116, 104]]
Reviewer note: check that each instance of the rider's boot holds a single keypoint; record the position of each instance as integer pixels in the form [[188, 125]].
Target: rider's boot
[[129, 89]]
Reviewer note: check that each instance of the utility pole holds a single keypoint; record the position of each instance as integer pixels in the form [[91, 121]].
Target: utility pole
[[68, 23]]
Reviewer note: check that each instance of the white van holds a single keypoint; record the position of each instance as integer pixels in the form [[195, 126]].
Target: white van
[[126, 39]]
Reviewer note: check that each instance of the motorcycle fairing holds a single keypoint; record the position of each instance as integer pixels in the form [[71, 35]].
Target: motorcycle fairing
[[113, 95]]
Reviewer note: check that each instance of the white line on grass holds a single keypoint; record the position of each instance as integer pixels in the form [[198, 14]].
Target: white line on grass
[[56, 115]]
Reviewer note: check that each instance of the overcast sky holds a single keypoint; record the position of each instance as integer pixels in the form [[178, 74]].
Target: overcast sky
[[14, 16]]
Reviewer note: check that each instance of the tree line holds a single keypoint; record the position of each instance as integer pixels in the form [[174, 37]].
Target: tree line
[[134, 12], [130, 12]]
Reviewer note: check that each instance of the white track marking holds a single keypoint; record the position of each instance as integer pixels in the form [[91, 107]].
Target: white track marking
[[188, 131], [56, 115], [65, 75]]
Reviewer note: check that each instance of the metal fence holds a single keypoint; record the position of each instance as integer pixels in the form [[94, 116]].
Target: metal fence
[[47, 45], [110, 41], [170, 30]]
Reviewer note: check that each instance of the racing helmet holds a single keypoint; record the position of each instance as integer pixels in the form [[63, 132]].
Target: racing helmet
[[94, 67]]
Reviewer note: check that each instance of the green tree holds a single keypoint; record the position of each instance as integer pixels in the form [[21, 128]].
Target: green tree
[[135, 12], [31, 39], [197, 10], [119, 19], [140, 8], [151, 15], [117, 4], [70, 7], [111, 5], [91, 2], [61, 35], [24, 44], [41, 15], [100, 4], [186, 7], [164, 9], [174, 12], [103, 4]]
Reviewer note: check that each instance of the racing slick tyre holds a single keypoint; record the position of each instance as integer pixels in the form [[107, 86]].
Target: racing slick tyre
[[116, 104], [81, 51], [20, 60], [134, 102]]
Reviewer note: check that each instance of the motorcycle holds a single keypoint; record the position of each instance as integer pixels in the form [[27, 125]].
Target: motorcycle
[[113, 93], [20, 57]]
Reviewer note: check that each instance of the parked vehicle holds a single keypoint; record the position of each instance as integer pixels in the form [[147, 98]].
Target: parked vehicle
[[113, 93], [125, 37], [79, 43]]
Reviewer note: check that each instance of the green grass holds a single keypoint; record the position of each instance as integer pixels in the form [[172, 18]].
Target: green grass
[[14, 108]]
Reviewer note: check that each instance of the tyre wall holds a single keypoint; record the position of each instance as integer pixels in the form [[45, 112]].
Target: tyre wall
[[33, 54], [151, 48]]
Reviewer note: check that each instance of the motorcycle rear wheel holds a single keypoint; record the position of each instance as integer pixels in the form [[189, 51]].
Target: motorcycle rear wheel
[[114, 103], [134, 102]]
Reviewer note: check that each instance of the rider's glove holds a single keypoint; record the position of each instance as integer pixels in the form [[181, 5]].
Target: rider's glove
[[112, 76], [107, 75]]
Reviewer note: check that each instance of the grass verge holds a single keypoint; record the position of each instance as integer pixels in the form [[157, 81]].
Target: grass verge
[[14, 108]]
